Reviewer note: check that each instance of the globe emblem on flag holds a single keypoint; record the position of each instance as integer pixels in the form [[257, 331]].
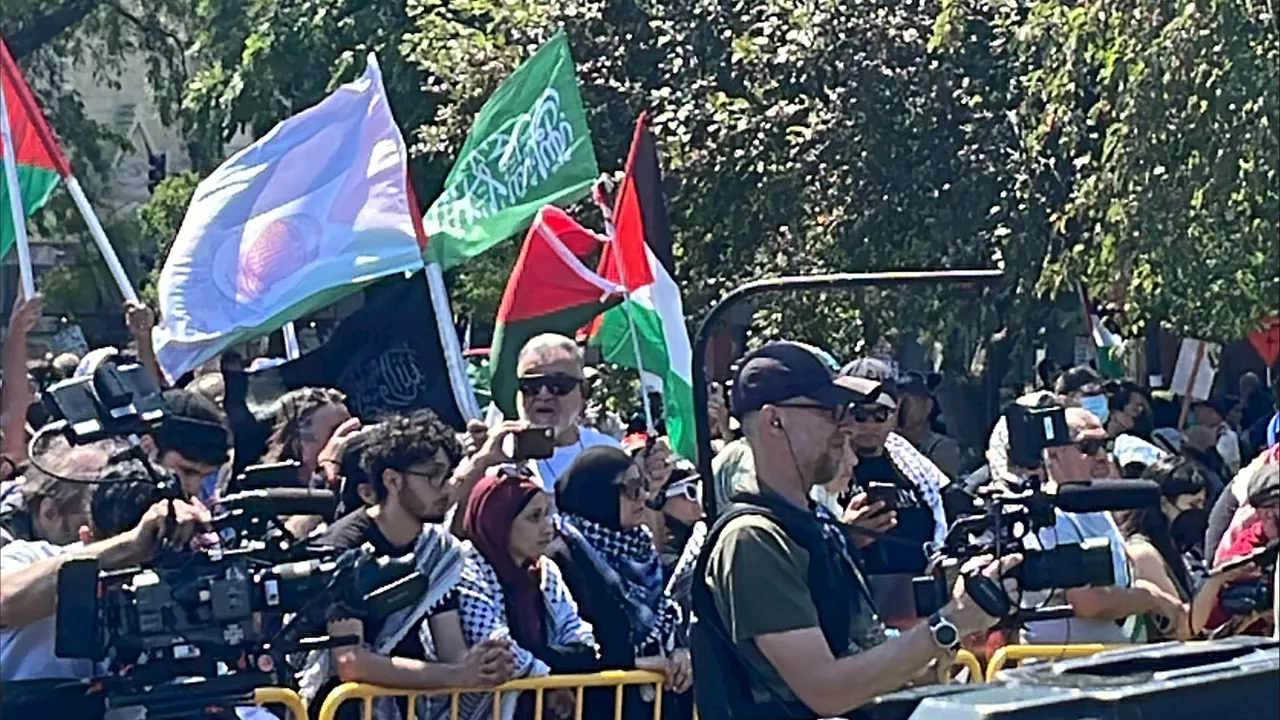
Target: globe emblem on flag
[[285, 246]]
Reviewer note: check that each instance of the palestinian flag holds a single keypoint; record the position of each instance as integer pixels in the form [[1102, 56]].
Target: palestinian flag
[[550, 290], [1108, 346], [641, 231], [40, 160]]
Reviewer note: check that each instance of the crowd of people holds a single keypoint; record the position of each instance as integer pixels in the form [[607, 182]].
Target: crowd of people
[[796, 601]]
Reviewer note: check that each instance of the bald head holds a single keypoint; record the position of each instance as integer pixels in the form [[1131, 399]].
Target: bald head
[[1084, 424]]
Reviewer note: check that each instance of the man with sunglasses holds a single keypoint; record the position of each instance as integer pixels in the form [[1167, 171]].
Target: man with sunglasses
[[1100, 612], [551, 377], [891, 472], [785, 624]]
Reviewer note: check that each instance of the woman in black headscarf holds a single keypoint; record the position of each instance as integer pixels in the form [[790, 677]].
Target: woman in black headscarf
[[612, 567]]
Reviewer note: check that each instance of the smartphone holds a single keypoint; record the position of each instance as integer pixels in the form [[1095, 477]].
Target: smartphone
[[534, 444], [886, 493], [1261, 557]]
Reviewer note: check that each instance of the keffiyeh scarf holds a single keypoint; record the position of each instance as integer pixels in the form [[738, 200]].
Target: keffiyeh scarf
[[438, 556], [629, 562]]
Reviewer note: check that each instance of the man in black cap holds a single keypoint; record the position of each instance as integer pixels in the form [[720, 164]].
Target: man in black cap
[[915, 423], [785, 624]]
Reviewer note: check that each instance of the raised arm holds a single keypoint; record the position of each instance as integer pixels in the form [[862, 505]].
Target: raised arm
[[140, 320], [16, 395]]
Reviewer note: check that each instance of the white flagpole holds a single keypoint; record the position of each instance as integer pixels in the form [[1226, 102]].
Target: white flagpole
[[100, 238], [598, 194], [292, 350], [463, 394], [16, 210]]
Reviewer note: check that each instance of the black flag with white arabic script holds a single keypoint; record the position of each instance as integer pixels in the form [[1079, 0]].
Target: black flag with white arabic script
[[386, 357]]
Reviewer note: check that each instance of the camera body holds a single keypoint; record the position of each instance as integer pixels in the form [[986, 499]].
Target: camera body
[[115, 401], [998, 529]]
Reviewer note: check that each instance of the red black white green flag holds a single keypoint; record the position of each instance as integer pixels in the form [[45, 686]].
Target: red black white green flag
[[550, 290], [40, 161]]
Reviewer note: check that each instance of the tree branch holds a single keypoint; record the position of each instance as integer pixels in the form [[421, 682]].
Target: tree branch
[[49, 26]]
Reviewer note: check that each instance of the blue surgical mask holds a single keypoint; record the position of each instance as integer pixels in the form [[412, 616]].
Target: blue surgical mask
[[1096, 404]]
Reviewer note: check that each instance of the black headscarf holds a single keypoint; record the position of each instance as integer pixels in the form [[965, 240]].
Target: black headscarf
[[589, 488]]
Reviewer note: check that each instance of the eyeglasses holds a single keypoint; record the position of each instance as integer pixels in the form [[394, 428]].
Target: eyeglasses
[[1091, 447], [838, 413], [559, 384], [435, 480], [875, 413], [634, 489]]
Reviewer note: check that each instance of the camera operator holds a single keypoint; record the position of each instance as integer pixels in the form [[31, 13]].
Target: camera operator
[[785, 625], [192, 442], [1100, 612], [46, 508], [128, 526], [409, 461]]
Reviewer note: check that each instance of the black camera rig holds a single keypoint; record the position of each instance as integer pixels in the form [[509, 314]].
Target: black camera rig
[[999, 526]]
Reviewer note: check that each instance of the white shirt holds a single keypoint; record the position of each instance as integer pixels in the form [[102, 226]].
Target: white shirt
[[554, 467], [26, 653], [1075, 528]]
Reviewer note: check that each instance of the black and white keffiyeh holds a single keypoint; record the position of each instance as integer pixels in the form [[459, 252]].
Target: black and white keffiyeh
[[438, 556], [629, 562]]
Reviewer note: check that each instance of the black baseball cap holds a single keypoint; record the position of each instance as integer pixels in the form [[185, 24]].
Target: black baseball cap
[[878, 372], [784, 370]]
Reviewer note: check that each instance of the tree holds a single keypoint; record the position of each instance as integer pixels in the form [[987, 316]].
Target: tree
[[1158, 128], [49, 38]]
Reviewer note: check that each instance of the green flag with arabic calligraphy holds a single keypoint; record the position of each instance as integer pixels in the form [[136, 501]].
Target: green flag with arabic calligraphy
[[529, 147]]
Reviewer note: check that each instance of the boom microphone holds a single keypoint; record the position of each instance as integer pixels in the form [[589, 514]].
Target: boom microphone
[[1103, 495], [282, 501]]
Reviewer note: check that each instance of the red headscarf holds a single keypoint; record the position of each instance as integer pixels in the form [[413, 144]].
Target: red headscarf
[[494, 504]]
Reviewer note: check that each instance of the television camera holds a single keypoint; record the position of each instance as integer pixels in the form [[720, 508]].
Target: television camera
[[202, 626], [998, 523]]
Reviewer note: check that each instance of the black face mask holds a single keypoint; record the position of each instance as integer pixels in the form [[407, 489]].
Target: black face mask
[[1188, 529]]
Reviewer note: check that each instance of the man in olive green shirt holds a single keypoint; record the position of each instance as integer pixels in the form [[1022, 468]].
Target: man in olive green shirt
[[758, 570]]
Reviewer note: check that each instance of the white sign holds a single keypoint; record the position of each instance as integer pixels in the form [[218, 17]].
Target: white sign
[[1197, 365]]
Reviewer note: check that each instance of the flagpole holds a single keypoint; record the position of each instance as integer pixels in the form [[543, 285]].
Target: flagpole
[[292, 350], [17, 212], [100, 238], [463, 394], [597, 193]]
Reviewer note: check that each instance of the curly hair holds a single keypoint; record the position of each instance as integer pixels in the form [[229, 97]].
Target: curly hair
[[292, 422], [401, 441]]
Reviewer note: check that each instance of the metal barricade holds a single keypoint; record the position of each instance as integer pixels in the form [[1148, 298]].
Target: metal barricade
[[617, 679], [281, 696], [969, 661], [1016, 653]]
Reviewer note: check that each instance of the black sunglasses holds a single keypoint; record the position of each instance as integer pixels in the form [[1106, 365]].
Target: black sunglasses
[[838, 413], [558, 385], [634, 488], [877, 413]]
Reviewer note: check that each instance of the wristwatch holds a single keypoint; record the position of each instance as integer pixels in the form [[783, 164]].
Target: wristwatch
[[945, 634]]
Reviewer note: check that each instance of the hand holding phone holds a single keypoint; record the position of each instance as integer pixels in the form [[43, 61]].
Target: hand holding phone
[[536, 443], [882, 492]]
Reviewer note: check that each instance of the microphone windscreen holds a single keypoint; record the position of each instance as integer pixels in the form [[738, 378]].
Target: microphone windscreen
[[1104, 495]]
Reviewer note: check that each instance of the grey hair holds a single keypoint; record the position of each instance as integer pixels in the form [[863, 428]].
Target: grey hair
[[548, 343]]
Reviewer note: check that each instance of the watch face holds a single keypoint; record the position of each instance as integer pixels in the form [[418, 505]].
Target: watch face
[[946, 635]]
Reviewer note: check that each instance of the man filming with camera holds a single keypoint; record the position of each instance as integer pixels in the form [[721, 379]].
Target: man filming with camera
[[129, 525], [1099, 612], [785, 624]]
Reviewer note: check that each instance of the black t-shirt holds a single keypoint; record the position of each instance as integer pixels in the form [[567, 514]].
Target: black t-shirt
[[352, 531], [915, 519]]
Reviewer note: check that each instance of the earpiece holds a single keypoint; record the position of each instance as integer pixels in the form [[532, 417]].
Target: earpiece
[[776, 423]]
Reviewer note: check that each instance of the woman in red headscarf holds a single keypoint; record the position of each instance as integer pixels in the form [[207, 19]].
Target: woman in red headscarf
[[509, 590]]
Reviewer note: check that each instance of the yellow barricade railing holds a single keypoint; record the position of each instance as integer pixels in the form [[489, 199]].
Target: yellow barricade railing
[[281, 696], [1016, 653], [969, 661], [616, 679]]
